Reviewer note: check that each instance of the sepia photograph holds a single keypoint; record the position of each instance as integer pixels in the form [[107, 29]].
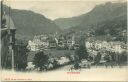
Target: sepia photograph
[[63, 40]]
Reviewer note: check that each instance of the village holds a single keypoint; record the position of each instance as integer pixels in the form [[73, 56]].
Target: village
[[56, 50], [44, 42], [62, 50]]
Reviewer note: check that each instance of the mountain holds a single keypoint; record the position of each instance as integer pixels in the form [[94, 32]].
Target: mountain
[[66, 23], [105, 20], [103, 13], [100, 13], [29, 23], [116, 28]]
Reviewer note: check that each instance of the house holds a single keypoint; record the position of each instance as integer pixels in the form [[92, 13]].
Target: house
[[71, 42], [52, 43], [39, 42], [61, 42], [109, 46], [32, 46]]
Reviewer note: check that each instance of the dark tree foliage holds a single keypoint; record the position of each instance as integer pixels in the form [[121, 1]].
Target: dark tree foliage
[[41, 60], [5, 56], [97, 58], [81, 53], [114, 28], [76, 65], [55, 64], [20, 55], [123, 57]]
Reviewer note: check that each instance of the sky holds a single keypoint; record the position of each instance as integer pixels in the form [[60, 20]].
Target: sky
[[54, 9]]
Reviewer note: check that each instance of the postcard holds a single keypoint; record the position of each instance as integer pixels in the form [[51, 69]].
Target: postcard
[[64, 40]]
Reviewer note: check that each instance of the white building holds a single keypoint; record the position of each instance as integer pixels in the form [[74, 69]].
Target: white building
[[38, 43], [109, 46], [32, 46], [30, 66]]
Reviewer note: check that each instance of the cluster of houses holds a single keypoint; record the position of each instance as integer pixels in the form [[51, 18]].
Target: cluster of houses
[[38, 43], [116, 50], [41, 42], [109, 46]]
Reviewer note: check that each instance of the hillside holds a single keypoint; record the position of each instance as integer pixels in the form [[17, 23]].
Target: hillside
[[106, 20], [29, 23], [103, 13], [66, 23], [100, 13], [109, 20], [117, 28]]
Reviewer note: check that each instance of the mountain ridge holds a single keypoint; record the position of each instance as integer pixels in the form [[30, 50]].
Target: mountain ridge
[[29, 23], [98, 13]]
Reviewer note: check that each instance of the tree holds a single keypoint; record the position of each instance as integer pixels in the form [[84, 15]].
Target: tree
[[41, 60], [21, 54], [55, 63], [97, 58], [81, 52]]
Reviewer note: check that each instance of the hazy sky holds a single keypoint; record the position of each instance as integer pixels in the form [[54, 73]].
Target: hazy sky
[[53, 9]]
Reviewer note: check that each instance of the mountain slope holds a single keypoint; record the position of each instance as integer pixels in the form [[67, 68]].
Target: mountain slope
[[66, 23], [28, 23], [98, 14], [102, 13]]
